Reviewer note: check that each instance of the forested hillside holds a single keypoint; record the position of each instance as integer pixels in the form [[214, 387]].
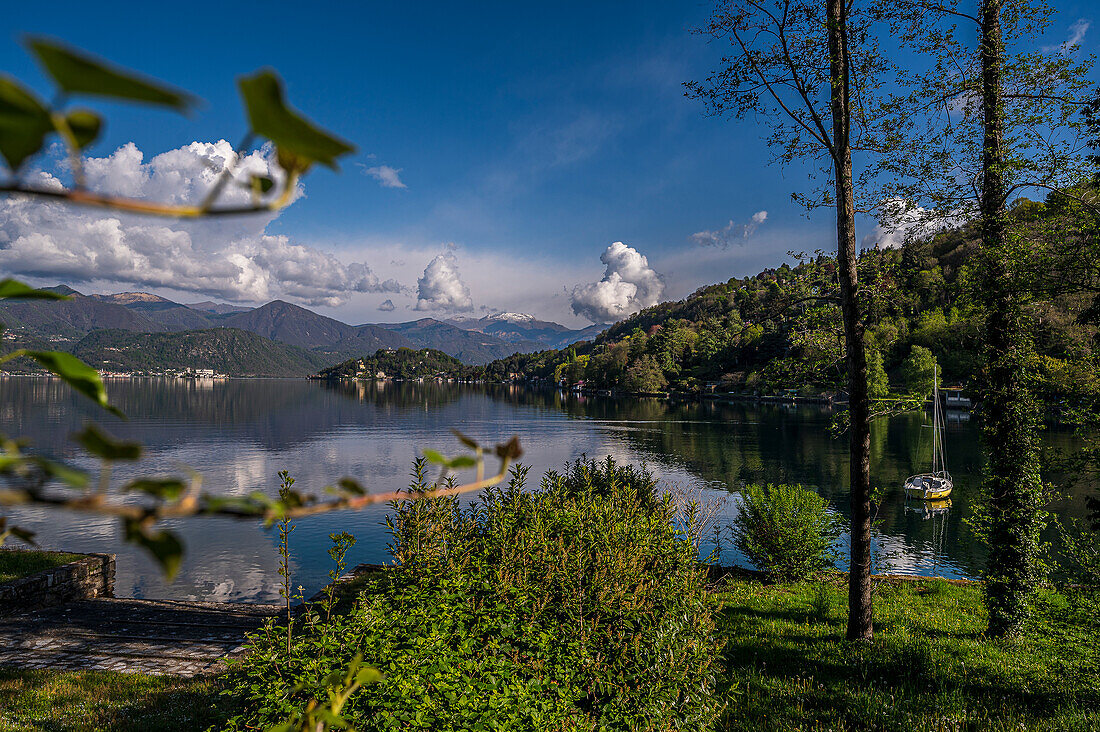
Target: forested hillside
[[61, 324], [468, 346], [226, 350], [780, 329], [401, 363], [69, 320]]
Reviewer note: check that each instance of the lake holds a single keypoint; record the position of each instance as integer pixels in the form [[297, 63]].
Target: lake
[[239, 433]]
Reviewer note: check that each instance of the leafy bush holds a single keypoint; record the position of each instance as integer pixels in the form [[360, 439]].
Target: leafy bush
[[786, 531], [918, 372], [420, 528], [576, 606], [605, 478], [878, 385], [1082, 547]]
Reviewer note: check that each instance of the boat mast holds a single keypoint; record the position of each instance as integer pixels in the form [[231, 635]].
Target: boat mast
[[935, 419], [943, 429]]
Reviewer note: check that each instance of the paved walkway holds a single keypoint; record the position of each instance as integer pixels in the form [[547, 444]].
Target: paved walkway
[[172, 637]]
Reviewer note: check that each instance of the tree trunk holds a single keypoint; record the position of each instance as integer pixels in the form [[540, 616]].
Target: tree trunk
[[1009, 409], [860, 624]]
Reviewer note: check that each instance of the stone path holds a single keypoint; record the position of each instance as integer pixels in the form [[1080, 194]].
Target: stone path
[[172, 637]]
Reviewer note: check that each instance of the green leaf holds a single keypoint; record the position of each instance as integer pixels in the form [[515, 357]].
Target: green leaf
[[293, 134], [434, 457], [24, 122], [164, 546], [291, 499], [261, 183], [463, 461], [368, 675], [254, 504], [16, 290], [467, 441], [11, 462], [167, 489], [77, 374], [59, 471], [352, 486], [79, 73], [510, 450], [102, 445], [85, 126], [25, 536]]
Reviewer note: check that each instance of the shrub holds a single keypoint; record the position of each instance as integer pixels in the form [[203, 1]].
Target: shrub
[[1082, 547], [786, 531], [878, 385], [918, 372], [421, 528], [576, 606], [604, 478]]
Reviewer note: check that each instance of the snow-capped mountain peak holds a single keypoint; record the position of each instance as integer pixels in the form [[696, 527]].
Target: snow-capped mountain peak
[[512, 317]]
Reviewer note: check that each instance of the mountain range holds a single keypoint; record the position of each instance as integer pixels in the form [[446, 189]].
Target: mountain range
[[313, 338], [525, 330]]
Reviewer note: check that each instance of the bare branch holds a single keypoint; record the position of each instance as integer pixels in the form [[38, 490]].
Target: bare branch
[[139, 206]]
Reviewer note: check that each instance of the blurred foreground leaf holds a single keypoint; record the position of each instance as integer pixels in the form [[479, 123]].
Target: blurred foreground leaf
[[166, 489], [60, 471], [24, 122], [16, 290], [77, 374], [164, 546], [85, 126], [25, 536], [80, 73], [298, 141], [102, 445]]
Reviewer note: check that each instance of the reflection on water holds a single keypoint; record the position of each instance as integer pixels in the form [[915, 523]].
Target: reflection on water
[[240, 433]]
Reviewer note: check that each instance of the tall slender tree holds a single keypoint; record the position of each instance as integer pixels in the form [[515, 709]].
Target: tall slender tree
[[996, 124], [1011, 414], [809, 67]]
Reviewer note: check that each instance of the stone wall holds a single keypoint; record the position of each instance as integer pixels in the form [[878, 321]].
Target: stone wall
[[92, 576]]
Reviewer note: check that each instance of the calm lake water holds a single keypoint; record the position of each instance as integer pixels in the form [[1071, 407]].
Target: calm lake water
[[239, 433]]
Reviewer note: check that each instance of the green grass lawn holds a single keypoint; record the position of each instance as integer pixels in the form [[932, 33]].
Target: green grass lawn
[[930, 667], [787, 667], [104, 700], [16, 563]]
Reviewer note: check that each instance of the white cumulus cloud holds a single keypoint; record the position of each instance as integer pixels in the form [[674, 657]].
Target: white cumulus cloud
[[730, 234], [629, 284], [906, 222], [441, 287], [226, 257], [387, 306], [1077, 33], [388, 177]]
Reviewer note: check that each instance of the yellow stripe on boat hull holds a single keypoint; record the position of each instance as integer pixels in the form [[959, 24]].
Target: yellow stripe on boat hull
[[920, 493]]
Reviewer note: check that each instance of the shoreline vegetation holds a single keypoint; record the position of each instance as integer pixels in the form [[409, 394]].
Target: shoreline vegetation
[[750, 338], [784, 666], [515, 589], [19, 563], [824, 399], [788, 396]]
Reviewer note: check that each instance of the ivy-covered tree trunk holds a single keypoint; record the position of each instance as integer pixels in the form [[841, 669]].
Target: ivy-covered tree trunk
[[860, 624], [1012, 486]]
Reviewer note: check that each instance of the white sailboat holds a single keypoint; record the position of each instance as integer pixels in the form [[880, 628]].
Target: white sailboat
[[936, 485]]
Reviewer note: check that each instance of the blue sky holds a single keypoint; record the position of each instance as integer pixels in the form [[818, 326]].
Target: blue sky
[[528, 137]]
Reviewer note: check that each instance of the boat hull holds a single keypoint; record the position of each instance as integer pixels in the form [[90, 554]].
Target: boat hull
[[929, 487]]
